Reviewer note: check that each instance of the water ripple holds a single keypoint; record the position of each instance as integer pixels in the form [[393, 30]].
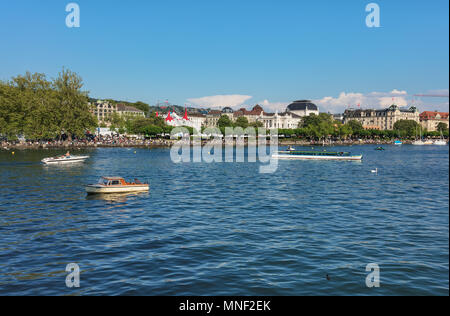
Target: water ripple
[[225, 229]]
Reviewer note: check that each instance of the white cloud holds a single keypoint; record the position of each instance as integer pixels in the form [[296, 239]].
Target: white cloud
[[443, 92], [219, 101], [374, 100], [274, 106]]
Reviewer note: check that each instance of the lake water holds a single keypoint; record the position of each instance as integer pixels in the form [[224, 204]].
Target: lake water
[[226, 229]]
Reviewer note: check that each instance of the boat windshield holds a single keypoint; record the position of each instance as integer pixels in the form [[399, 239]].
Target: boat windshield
[[103, 181]]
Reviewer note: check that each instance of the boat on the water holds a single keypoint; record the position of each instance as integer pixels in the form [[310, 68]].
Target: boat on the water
[[115, 197], [108, 185], [440, 142], [64, 159], [418, 142], [316, 155], [380, 149], [398, 143], [290, 148]]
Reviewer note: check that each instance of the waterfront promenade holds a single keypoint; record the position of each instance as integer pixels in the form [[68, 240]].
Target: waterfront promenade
[[165, 143]]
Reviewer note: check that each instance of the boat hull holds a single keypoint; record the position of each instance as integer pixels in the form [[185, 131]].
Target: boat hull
[[54, 161], [99, 189], [306, 157]]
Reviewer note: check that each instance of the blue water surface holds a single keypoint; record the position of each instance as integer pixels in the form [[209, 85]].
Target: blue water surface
[[226, 229]]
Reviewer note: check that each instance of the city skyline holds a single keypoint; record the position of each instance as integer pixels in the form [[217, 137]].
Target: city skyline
[[237, 54]]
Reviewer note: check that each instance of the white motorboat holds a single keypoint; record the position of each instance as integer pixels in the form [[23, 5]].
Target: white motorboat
[[418, 143], [290, 148], [64, 159], [107, 185], [440, 142]]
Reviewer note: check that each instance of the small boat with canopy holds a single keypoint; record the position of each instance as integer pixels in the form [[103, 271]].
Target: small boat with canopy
[[108, 185]]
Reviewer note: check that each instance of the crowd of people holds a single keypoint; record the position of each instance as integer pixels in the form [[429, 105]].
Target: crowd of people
[[97, 141], [122, 141]]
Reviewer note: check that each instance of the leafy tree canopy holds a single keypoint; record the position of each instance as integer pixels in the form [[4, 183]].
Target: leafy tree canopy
[[407, 127], [224, 121]]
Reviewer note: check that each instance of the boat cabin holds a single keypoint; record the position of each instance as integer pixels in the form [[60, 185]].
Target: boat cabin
[[320, 153], [116, 181]]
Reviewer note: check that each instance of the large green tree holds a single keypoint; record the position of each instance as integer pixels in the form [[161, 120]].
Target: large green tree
[[11, 111], [242, 121], [224, 121], [318, 126], [142, 106], [406, 128], [74, 116], [356, 127], [342, 130], [32, 104], [442, 127]]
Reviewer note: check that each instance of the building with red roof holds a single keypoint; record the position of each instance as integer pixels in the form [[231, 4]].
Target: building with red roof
[[430, 120]]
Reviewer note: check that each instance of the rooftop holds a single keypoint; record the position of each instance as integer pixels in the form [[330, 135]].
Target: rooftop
[[196, 115], [123, 108], [433, 115], [257, 110], [302, 105]]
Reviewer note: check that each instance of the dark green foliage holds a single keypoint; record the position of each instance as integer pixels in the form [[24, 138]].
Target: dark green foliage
[[32, 106], [224, 121], [407, 128], [442, 127]]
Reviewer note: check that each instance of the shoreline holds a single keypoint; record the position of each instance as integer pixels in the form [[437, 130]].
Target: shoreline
[[169, 143]]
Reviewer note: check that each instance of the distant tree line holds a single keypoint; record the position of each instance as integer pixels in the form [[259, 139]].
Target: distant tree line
[[323, 126], [37, 108], [152, 125]]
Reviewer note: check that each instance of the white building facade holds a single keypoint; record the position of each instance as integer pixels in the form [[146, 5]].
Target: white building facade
[[381, 119], [103, 110]]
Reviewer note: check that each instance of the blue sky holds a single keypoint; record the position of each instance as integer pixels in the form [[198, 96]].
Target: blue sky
[[236, 52]]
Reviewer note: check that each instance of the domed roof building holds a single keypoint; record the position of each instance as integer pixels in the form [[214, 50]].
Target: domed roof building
[[303, 108], [227, 110]]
